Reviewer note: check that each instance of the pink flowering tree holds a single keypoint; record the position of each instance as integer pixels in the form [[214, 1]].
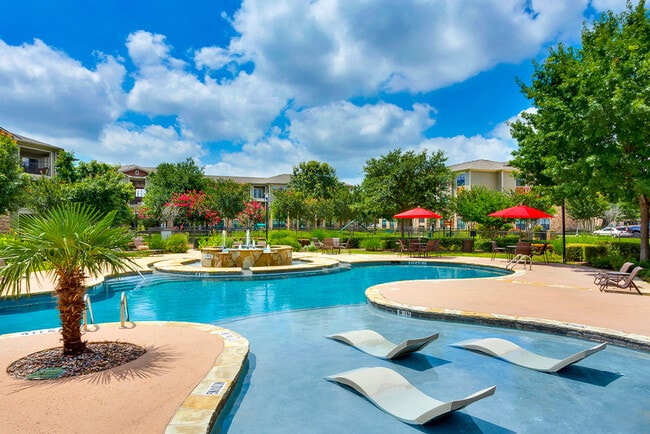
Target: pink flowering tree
[[253, 213], [193, 209]]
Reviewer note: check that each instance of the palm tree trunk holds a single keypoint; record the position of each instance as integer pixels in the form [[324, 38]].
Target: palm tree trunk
[[70, 292]]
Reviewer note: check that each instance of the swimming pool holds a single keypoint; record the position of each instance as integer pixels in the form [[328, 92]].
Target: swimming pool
[[285, 320], [284, 390], [167, 297]]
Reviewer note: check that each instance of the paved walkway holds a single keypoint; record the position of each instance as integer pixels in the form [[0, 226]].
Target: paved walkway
[[560, 295]]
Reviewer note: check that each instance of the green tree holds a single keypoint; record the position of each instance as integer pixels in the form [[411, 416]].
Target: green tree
[[586, 208], [228, 197], [68, 242], [591, 126], [168, 179], [96, 184], [400, 181], [12, 176], [290, 204], [314, 180], [474, 205]]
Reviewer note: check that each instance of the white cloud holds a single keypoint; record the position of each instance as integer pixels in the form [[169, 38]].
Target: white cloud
[[280, 92], [149, 146], [45, 91], [240, 109], [334, 50]]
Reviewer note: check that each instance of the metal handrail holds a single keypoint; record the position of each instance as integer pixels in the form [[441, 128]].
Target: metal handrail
[[124, 310], [88, 310]]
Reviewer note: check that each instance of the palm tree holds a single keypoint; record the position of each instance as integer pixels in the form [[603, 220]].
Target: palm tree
[[67, 243]]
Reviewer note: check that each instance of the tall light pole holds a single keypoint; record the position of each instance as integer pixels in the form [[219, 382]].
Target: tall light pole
[[266, 225]]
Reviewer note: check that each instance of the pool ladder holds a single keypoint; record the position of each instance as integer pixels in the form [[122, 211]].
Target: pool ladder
[[124, 310], [88, 311]]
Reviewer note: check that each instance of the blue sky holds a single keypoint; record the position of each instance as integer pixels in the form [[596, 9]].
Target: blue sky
[[254, 87]]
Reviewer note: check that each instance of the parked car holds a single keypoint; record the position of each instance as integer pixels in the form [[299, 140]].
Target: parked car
[[624, 231], [608, 230], [635, 230]]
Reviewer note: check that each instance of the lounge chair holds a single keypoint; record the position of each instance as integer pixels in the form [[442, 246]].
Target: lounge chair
[[392, 393], [496, 249], [621, 273], [513, 353], [625, 283], [523, 255], [371, 342]]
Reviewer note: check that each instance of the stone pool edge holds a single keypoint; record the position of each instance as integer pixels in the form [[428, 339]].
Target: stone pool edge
[[615, 337]]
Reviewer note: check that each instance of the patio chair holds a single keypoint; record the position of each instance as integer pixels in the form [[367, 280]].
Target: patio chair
[[626, 283], [393, 394], [523, 255], [432, 246], [541, 250], [513, 353], [344, 246], [317, 243], [401, 246], [329, 246], [373, 343], [496, 249], [621, 273]]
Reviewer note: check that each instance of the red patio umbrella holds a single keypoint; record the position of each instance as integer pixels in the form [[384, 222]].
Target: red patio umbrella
[[417, 213], [520, 212]]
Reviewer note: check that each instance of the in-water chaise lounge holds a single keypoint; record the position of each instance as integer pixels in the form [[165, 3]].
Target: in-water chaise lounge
[[392, 393], [513, 353], [371, 342]]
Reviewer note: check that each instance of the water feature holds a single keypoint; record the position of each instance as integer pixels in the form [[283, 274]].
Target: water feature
[[246, 255]]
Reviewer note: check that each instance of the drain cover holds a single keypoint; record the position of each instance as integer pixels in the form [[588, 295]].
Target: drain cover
[[46, 374], [215, 388]]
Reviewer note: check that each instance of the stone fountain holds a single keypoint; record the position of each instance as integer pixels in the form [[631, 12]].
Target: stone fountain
[[246, 255]]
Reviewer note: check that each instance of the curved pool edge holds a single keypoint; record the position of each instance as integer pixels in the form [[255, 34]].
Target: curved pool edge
[[615, 337], [203, 406]]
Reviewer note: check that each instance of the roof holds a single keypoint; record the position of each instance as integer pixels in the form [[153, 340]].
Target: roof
[[482, 165], [130, 167], [24, 140]]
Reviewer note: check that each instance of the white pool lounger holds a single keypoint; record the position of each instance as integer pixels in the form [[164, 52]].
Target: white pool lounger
[[392, 393], [371, 342], [513, 353]]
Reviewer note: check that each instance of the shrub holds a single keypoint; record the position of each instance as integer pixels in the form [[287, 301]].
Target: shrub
[[176, 243], [155, 242], [286, 241], [372, 244]]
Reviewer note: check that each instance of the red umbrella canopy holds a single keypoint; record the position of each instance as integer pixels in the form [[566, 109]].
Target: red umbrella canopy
[[520, 212], [417, 213]]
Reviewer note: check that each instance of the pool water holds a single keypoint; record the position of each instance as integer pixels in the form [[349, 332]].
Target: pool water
[[284, 390], [285, 320], [166, 297]]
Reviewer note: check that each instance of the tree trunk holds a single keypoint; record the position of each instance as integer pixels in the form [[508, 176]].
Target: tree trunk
[[70, 292], [645, 247]]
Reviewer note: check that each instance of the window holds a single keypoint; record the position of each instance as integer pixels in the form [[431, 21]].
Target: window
[[460, 180], [258, 192]]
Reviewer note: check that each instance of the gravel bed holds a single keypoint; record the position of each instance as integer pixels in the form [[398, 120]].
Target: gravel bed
[[51, 363]]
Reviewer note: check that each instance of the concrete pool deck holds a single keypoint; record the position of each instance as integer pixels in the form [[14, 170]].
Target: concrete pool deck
[[185, 360]]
